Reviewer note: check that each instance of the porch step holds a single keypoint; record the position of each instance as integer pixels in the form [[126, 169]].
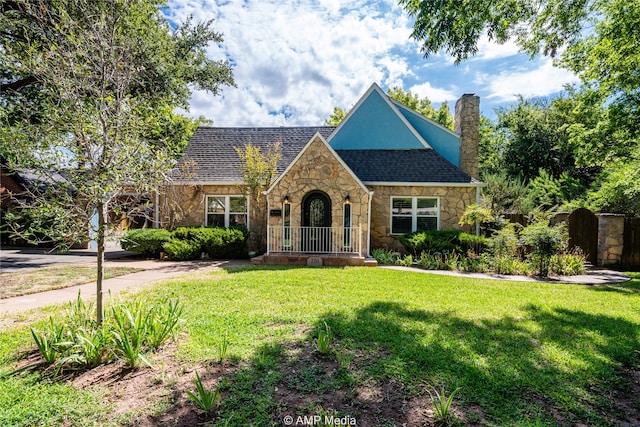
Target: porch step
[[316, 259], [370, 262], [258, 260]]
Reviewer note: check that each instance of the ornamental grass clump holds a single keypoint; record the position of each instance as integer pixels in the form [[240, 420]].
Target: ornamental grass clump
[[130, 330]]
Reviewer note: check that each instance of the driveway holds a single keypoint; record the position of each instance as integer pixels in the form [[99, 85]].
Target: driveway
[[16, 259]]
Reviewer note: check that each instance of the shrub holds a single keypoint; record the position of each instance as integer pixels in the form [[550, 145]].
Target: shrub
[[182, 250], [431, 241], [544, 241], [504, 242], [384, 256], [471, 242], [568, 264], [226, 243], [145, 241]]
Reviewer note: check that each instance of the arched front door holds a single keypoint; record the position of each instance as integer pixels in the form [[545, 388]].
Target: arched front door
[[316, 222]]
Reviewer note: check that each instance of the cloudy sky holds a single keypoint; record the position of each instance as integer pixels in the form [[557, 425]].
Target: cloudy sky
[[293, 61]]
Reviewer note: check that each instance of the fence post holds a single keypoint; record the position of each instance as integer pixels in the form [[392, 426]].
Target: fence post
[[610, 239]]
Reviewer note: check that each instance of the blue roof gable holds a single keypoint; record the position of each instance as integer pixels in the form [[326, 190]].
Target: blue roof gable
[[374, 123], [441, 139]]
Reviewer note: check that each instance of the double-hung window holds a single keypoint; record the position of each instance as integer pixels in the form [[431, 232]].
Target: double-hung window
[[409, 214], [226, 211]]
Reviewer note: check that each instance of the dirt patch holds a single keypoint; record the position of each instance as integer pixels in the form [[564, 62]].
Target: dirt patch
[[309, 385], [43, 279]]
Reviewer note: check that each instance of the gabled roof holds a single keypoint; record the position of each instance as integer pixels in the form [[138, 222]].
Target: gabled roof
[[403, 166], [214, 159], [445, 141], [322, 140], [375, 123]]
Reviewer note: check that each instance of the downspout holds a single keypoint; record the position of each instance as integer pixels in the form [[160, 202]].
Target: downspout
[[478, 204], [369, 224], [267, 222]]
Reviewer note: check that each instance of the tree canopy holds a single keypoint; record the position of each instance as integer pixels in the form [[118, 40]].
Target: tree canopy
[[571, 149], [89, 89]]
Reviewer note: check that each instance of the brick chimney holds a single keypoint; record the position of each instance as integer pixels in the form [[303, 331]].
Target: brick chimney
[[467, 123]]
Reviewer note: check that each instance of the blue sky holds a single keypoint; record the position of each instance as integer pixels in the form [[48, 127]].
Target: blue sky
[[294, 61]]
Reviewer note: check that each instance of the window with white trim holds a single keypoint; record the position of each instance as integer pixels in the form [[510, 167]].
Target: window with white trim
[[409, 214], [226, 211]]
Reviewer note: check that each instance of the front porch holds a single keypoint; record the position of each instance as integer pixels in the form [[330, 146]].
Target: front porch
[[315, 246]]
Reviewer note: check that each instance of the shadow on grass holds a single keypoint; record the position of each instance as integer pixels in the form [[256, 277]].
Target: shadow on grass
[[549, 367], [628, 287]]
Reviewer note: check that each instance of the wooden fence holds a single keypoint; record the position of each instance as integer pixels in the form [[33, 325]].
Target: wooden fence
[[631, 248], [583, 233]]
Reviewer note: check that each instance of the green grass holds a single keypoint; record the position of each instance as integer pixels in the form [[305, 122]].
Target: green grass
[[525, 353]]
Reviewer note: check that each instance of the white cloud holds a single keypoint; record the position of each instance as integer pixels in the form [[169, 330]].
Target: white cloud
[[543, 80], [295, 61], [434, 94], [492, 50]]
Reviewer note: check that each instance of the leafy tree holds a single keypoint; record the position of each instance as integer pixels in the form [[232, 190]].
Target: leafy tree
[[85, 83], [618, 188], [423, 106], [537, 26], [336, 117], [504, 194], [258, 170], [598, 40]]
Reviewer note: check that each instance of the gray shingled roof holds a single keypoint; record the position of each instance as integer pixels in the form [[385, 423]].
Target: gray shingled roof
[[402, 166], [212, 149], [212, 152]]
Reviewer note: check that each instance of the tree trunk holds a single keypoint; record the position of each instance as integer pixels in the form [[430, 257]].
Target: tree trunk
[[100, 275]]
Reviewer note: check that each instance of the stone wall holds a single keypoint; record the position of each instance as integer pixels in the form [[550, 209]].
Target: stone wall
[[610, 239], [467, 124], [318, 169], [453, 202]]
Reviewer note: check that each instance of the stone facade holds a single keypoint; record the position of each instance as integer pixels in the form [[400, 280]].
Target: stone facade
[[184, 205], [467, 125], [610, 239], [453, 201], [318, 169]]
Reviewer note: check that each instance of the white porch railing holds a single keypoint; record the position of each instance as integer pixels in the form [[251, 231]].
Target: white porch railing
[[315, 240]]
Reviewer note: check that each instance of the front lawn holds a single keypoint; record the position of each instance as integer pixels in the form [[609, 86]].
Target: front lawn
[[33, 280], [517, 354]]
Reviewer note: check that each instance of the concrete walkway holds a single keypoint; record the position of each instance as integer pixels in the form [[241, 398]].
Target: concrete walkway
[[591, 277], [153, 271]]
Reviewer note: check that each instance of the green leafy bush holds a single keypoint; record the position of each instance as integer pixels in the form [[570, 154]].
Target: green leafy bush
[[544, 241], [145, 241], [471, 242], [182, 250], [432, 241], [384, 256], [226, 243], [504, 242]]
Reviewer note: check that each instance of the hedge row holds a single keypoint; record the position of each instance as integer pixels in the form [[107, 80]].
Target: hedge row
[[187, 243]]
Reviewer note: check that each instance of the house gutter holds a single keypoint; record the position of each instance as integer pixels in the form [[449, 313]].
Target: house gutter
[[264, 193]]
